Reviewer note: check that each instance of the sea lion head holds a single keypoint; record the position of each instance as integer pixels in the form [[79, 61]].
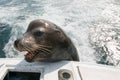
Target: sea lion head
[[44, 41]]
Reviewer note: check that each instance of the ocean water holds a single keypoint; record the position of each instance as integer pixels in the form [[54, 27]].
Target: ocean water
[[93, 25]]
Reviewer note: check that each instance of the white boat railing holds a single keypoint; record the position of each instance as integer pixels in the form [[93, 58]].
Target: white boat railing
[[64, 70]]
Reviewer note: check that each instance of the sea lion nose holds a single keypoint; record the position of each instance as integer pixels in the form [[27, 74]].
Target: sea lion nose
[[16, 43]]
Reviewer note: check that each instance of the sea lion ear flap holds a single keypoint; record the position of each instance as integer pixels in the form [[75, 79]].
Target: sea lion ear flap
[[60, 33], [61, 36]]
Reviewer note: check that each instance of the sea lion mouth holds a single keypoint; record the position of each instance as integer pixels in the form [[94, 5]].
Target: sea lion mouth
[[30, 56], [34, 53], [37, 54]]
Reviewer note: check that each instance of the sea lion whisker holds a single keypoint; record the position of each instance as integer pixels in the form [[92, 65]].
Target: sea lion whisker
[[45, 52], [41, 52], [30, 50], [45, 49], [45, 46], [27, 49]]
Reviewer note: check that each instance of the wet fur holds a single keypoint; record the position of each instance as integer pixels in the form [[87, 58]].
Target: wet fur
[[50, 42]]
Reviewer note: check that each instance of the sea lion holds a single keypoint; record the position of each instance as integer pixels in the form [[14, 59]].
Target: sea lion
[[45, 41]]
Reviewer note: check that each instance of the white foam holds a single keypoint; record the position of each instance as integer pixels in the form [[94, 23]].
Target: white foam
[[82, 20]]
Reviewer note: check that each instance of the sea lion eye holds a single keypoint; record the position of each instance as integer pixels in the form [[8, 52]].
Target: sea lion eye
[[38, 33]]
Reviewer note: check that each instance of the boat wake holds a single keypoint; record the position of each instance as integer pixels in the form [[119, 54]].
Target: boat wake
[[92, 25]]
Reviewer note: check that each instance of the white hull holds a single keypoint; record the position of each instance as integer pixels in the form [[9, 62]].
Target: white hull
[[54, 71]]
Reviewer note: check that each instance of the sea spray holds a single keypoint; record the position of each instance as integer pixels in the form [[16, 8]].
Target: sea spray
[[93, 25]]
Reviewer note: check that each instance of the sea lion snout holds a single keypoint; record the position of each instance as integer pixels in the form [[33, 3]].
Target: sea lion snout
[[16, 43], [45, 41]]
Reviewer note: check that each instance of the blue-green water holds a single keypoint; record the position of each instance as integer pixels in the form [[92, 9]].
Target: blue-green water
[[4, 37], [93, 25]]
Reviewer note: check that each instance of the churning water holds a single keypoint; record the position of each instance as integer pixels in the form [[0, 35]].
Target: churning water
[[93, 25]]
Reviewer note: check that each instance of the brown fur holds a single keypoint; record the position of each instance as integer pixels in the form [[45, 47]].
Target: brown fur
[[45, 41]]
